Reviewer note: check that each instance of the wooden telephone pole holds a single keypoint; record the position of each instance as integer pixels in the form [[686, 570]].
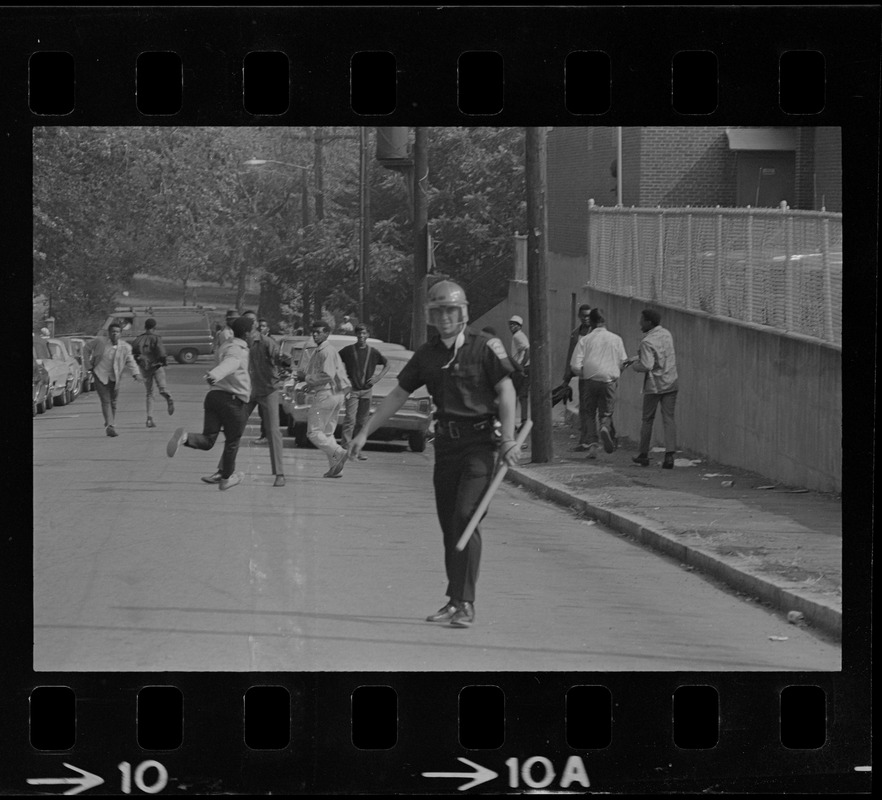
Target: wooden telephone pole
[[537, 290], [420, 235]]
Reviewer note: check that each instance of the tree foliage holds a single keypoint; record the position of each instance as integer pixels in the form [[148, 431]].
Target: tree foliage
[[181, 203]]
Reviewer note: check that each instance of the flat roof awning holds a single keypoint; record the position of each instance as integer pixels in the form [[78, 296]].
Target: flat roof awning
[[761, 138]]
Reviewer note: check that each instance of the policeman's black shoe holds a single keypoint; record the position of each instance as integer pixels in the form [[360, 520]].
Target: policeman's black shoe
[[641, 459], [464, 616], [171, 403], [668, 463], [444, 613]]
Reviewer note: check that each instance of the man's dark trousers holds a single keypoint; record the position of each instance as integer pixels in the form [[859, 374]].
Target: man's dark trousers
[[268, 406], [600, 402], [464, 468], [107, 394], [223, 412], [594, 397]]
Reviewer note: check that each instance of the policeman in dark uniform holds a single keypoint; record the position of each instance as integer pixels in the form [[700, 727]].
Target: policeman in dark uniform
[[467, 375]]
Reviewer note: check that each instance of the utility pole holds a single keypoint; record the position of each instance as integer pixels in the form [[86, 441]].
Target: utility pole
[[365, 216], [420, 235], [537, 291]]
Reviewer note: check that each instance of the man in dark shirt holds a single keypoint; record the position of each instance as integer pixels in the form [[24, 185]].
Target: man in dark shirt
[[263, 362], [583, 330], [149, 352], [467, 375], [361, 361]]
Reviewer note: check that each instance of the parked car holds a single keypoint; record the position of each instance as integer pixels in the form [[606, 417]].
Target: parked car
[[76, 344], [74, 383], [40, 386], [411, 422], [299, 348], [186, 331], [59, 367]]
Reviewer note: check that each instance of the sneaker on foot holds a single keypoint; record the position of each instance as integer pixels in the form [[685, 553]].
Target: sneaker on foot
[[171, 404], [337, 465], [261, 440], [609, 444], [150, 422], [279, 481], [228, 483], [592, 450], [111, 431], [641, 459], [216, 478], [177, 439]]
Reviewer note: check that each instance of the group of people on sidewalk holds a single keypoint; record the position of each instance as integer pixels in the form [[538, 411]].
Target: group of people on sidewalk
[[597, 357]]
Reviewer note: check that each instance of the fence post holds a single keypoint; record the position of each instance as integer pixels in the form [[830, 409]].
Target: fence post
[[687, 264], [635, 240], [749, 271], [620, 249], [718, 265], [659, 294], [828, 288], [589, 259], [788, 268]]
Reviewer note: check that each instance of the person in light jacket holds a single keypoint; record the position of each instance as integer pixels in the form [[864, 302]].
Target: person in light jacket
[[108, 359], [656, 358], [326, 384], [225, 404]]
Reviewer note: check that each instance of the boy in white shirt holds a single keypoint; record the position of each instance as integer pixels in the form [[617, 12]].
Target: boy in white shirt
[[598, 359]]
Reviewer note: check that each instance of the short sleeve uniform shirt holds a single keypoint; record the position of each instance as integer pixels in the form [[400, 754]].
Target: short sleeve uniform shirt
[[463, 386]]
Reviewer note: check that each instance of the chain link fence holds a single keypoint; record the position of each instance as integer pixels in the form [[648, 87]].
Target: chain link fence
[[776, 267]]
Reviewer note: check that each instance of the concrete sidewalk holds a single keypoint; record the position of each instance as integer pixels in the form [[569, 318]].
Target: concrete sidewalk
[[778, 545]]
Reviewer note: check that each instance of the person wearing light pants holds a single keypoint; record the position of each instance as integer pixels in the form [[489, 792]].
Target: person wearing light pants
[[327, 384]]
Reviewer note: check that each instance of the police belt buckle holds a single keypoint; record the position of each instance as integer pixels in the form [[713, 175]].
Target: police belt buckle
[[454, 430]]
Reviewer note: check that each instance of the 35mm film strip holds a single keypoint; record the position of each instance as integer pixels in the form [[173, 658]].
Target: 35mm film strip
[[438, 726]]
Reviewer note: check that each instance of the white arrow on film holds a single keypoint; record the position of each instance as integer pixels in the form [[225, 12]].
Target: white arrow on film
[[86, 780], [479, 776]]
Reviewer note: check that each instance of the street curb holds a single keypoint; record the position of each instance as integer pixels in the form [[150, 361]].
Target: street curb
[[817, 614]]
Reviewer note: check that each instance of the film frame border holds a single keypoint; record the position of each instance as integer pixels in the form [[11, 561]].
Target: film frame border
[[314, 761]]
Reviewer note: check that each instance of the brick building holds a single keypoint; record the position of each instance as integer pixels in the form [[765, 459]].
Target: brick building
[[687, 165]]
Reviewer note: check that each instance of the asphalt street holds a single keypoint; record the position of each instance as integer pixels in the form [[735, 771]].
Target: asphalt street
[[140, 566]]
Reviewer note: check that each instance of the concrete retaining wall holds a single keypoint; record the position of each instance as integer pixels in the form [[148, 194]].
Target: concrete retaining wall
[[750, 396]]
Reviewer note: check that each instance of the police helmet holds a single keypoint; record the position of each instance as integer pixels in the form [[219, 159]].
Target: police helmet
[[445, 294]]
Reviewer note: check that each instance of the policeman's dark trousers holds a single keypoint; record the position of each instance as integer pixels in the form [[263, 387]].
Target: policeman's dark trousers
[[463, 471], [223, 412]]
